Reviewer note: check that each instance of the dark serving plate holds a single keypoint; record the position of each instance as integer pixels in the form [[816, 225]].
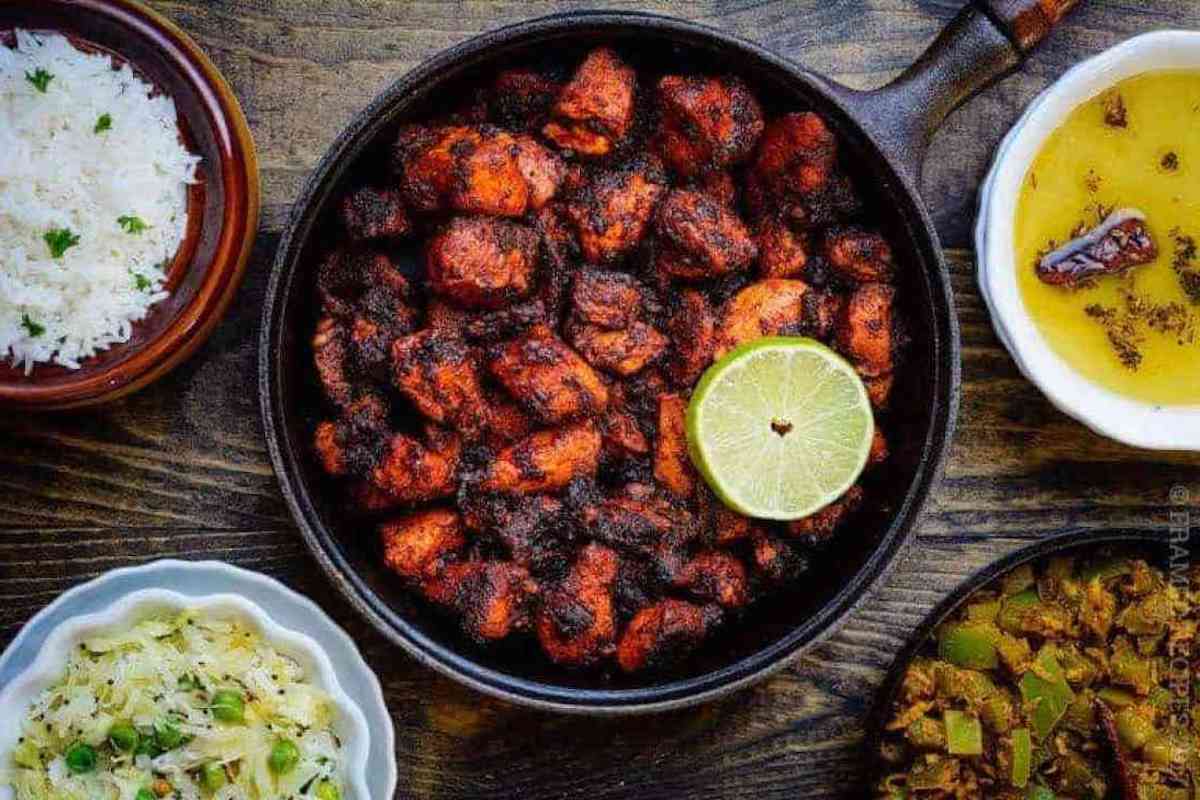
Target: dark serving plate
[[884, 136]]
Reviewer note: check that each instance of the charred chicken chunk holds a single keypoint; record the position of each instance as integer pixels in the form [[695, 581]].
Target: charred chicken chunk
[[663, 633], [620, 352], [414, 472], [773, 308], [506, 422], [547, 377], [715, 577], [611, 208], [494, 597], [331, 354], [521, 99], [545, 461], [699, 238], [782, 253], [720, 186], [607, 299], [672, 465], [543, 170], [437, 372], [576, 624], [622, 436], [480, 262], [370, 213], [470, 169], [416, 545], [859, 255], [364, 284], [595, 109], [531, 529], [796, 153], [707, 123], [560, 258], [822, 525], [644, 525], [773, 560], [354, 440], [865, 333], [692, 331]]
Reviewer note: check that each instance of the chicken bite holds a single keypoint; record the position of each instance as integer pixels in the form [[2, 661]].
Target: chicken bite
[[331, 354], [481, 262], [699, 238], [774, 307], [672, 466], [773, 560], [707, 123], [821, 526], [545, 461], [608, 299], [576, 624], [542, 169], [494, 597], [664, 633], [719, 185], [715, 577], [692, 331], [865, 332], [797, 153], [595, 109], [532, 529], [782, 253], [644, 524], [365, 284], [417, 545], [437, 372], [414, 472], [470, 169], [620, 352], [859, 255], [622, 436], [611, 209], [369, 213], [521, 99], [547, 377], [355, 439]]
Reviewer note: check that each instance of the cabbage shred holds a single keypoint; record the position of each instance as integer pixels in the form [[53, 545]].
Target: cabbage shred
[[160, 676]]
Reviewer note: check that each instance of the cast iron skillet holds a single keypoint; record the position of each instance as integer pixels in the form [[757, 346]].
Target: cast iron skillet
[[884, 135], [1155, 547]]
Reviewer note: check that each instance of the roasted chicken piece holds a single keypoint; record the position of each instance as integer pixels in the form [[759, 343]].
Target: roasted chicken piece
[[775, 307], [493, 597], [521, 99], [353, 441], [707, 123], [859, 255], [699, 238], [485, 326], [782, 252], [645, 525], [691, 329], [865, 330], [547, 377], [560, 258], [366, 285], [821, 526], [506, 422], [534, 530], [416, 472], [545, 461], [797, 153], [542, 169], [663, 633], [437, 371], [608, 299], [719, 185], [621, 352], [370, 213], [417, 545], [470, 169], [672, 465], [576, 623], [331, 355], [595, 109], [622, 436], [482, 262], [611, 208], [880, 452], [773, 560], [715, 577]]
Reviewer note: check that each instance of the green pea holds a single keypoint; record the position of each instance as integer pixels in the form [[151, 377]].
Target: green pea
[[124, 737], [213, 777], [81, 758], [145, 794], [284, 757], [328, 790], [229, 706], [167, 735]]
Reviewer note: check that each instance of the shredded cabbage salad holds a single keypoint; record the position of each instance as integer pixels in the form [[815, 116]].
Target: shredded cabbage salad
[[184, 707]]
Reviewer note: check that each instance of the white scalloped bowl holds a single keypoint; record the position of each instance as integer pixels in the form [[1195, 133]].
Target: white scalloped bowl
[[1132, 422], [350, 724]]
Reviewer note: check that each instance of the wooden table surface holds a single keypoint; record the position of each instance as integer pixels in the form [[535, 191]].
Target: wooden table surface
[[181, 469]]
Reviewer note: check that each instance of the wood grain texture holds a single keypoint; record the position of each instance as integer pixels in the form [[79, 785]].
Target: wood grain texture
[[181, 469]]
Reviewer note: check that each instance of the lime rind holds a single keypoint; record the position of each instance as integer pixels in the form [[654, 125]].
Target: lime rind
[[795, 381]]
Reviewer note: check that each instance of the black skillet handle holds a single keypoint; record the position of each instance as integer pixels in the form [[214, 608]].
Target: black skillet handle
[[988, 40]]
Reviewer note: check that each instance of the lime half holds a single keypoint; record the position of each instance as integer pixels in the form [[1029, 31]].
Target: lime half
[[780, 427]]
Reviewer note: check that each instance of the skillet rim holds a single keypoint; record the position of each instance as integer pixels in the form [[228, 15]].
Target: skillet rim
[[671, 694]]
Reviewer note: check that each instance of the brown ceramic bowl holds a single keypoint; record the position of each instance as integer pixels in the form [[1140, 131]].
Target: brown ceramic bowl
[[222, 209]]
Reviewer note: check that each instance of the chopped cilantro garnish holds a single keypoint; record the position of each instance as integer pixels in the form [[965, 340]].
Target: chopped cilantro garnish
[[103, 124], [141, 282], [31, 326], [40, 79], [59, 240], [132, 224]]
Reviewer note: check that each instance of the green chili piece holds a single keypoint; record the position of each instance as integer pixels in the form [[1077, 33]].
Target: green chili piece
[[284, 757], [212, 776], [80, 758], [327, 790], [1046, 692], [968, 645], [1022, 757], [228, 705], [964, 734], [144, 794], [124, 737], [167, 735], [1014, 609]]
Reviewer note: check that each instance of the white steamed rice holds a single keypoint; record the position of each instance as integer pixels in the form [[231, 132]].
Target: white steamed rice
[[57, 172]]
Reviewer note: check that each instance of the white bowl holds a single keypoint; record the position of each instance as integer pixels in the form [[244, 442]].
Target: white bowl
[[1124, 419], [51, 637]]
